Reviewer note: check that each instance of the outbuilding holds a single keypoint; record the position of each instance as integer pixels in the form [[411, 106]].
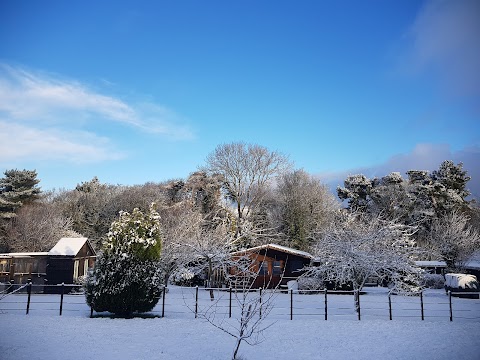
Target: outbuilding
[[274, 264], [65, 263]]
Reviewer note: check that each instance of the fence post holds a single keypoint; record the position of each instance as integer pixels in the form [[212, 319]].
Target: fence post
[[260, 290], [230, 303], [421, 304], [450, 302], [390, 305], [196, 301], [163, 301], [291, 304], [29, 291], [357, 295], [61, 298], [326, 307]]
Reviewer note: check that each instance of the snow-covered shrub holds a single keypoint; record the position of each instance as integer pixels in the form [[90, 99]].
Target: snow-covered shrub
[[311, 284], [186, 277], [126, 277], [433, 281]]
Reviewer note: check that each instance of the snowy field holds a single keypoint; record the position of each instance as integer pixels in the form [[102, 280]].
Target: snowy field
[[43, 334]]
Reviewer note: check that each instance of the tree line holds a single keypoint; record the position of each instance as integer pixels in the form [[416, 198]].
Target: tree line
[[246, 195]]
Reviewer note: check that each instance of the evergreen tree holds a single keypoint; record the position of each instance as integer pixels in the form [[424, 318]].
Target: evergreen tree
[[127, 277], [357, 191], [17, 188]]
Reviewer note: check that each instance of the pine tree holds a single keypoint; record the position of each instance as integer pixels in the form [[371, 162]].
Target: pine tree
[[17, 188], [127, 277]]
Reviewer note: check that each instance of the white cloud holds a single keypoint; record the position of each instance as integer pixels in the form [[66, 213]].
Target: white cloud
[[422, 157], [19, 142], [445, 38], [49, 117], [28, 96]]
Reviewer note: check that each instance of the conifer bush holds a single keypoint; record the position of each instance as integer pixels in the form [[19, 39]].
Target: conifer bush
[[127, 278]]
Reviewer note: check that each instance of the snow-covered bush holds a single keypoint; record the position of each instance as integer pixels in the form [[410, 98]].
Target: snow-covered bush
[[311, 284], [126, 277], [185, 276], [433, 281]]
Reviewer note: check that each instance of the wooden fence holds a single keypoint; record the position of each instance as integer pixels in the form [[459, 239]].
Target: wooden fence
[[296, 304]]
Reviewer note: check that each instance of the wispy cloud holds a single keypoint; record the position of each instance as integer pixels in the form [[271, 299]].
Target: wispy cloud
[[23, 143], [47, 116], [444, 38], [422, 157]]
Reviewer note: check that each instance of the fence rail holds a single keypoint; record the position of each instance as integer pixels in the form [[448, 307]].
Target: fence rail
[[294, 304]]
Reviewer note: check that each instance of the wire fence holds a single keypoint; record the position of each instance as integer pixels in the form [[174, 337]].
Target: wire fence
[[68, 299]]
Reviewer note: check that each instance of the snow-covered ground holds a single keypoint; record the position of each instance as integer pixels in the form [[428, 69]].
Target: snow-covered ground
[[43, 334]]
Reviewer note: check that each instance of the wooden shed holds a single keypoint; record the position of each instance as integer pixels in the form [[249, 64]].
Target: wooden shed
[[69, 259], [274, 264], [21, 266]]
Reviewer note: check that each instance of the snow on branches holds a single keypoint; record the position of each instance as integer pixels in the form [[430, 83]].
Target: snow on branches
[[358, 247]]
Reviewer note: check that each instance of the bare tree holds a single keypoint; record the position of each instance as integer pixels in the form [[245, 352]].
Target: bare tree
[[254, 305], [247, 171], [453, 239], [38, 227], [306, 206], [204, 245], [358, 247]]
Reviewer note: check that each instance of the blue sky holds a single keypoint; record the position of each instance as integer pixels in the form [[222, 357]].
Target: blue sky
[[137, 91]]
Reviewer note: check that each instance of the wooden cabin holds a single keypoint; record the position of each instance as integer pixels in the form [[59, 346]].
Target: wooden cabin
[[273, 265], [69, 259]]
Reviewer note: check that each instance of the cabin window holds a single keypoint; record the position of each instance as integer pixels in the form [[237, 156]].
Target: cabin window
[[85, 267], [263, 269], [75, 269], [296, 265], [4, 266], [277, 267]]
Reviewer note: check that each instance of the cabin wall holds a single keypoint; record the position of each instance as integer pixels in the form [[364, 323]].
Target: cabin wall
[[22, 269], [274, 268], [59, 270]]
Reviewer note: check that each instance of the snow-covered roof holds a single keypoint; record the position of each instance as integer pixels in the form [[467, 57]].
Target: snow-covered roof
[[20, 254], [428, 263], [68, 246], [474, 261], [277, 247]]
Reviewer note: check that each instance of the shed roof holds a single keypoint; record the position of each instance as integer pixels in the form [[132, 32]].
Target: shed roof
[[474, 261], [24, 254], [429, 263], [277, 247], [68, 246]]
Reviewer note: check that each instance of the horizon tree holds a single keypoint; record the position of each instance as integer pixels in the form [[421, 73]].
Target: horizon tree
[[305, 206], [247, 171], [17, 188]]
